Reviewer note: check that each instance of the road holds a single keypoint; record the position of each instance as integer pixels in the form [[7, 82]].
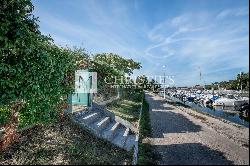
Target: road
[[183, 136]]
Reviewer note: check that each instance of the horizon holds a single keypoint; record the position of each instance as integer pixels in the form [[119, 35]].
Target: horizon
[[188, 37]]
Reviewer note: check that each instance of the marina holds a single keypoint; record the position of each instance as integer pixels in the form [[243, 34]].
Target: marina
[[231, 113], [128, 82]]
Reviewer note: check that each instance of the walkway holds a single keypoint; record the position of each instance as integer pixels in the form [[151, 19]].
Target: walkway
[[185, 138]]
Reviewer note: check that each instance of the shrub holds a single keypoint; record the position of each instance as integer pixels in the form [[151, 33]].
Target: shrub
[[33, 70], [146, 155], [4, 115]]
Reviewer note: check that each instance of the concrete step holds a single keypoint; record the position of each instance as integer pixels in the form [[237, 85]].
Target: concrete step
[[78, 115], [121, 136], [109, 132], [89, 118], [79, 110], [101, 123], [103, 126], [126, 133], [130, 142], [125, 136]]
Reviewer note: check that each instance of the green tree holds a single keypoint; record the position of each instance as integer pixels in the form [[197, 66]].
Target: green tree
[[34, 72], [241, 79], [117, 62], [112, 66], [142, 82]]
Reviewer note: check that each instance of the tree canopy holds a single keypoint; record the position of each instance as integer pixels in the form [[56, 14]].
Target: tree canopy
[[36, 75], [241, 79]]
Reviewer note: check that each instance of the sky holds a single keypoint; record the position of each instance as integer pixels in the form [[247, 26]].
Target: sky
[[181, 38]]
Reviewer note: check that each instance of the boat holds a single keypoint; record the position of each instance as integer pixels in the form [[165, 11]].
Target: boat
[[229, 100], [190, 99], [207, 101]]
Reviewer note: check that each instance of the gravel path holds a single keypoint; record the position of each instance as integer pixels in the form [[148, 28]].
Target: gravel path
[[183, 136]]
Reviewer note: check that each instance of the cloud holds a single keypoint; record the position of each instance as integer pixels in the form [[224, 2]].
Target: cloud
[[179, 20], [243, 11], [186, 42], [96, 38], [211, 40]]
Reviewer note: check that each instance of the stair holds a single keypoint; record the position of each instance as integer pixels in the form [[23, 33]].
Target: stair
[[104, 127], [120, 138], [89, 118], [100, 125]]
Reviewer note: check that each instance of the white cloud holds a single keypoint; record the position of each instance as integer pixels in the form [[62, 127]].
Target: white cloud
[[195, 42], [243, 11], [95, 39], [179, 20], [212, 41]]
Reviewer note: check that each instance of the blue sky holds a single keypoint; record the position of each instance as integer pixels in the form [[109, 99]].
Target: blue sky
[[186, 36]]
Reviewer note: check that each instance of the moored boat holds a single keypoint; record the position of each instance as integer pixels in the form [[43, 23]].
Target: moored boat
[[229, 100]]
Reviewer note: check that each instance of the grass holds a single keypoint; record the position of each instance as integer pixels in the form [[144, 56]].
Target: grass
[[129, 109], [146, 156], [126, 109], [62, 143], [145, 128]]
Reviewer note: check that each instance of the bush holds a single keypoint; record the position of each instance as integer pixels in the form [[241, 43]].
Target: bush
[[132, 94], [33, 70], [145, 128], [145, 154], [4, 115]]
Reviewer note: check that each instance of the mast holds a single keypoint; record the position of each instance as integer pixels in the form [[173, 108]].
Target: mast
[[164, 88], [201, 78], [241, 82]]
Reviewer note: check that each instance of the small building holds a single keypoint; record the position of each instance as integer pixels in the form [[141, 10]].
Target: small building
[[198, 87]]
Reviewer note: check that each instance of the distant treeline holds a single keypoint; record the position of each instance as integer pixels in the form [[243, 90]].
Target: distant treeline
[[241, 81]]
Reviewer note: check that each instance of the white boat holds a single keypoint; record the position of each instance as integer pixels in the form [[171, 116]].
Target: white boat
[[246, 99], [230, 101], [207, 101]]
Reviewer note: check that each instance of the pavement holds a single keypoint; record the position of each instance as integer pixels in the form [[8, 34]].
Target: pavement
[[183, 136]]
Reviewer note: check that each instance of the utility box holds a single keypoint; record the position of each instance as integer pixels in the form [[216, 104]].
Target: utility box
[[85, 85]]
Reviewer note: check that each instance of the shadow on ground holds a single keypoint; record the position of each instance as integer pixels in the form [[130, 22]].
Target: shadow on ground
[[164, 121], [170, 122], [190, 154]]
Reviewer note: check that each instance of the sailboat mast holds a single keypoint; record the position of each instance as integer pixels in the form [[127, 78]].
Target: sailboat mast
[[241, 82]]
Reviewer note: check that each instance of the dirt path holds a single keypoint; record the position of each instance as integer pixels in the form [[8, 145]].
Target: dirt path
[[183, 136]]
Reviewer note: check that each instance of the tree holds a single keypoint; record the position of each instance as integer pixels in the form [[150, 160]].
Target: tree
[[117, 62], [34, 72], [154, 85], [142, 82], [241, 79]]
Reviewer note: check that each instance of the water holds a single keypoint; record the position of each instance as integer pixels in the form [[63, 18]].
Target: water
[[226, 113]]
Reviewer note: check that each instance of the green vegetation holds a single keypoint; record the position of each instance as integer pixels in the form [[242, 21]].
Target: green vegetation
[[145, 154], [235, 84], [145, 128], [111, 69], [145, 84], [4, 115], [128, 106], [62, 143], [126, 109], [34, 72], [36, 75]]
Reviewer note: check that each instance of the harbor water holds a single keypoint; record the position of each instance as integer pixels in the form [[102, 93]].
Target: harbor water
[[228, 113]]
